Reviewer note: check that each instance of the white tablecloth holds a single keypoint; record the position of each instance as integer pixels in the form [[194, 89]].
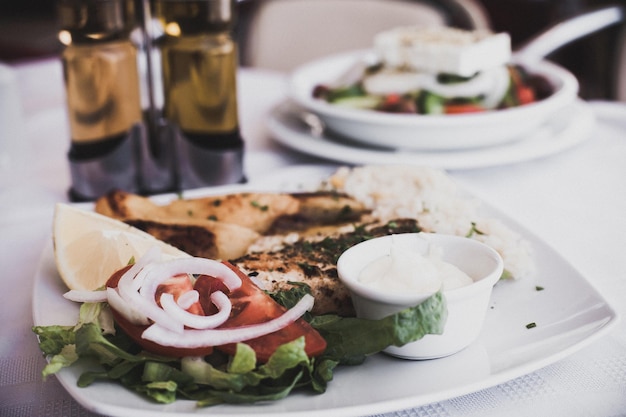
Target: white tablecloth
[[575, 201]]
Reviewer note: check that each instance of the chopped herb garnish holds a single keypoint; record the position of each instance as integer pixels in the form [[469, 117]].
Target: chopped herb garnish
[[539, 288], [308, 269], [506, 275], [217, 203], [259, 206], [213, 217], [473, 230], [346, 211], [531, 325]]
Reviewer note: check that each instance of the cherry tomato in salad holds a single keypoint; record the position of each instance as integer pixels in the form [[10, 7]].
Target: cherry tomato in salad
[[525, 95], [395, 103], [251, 305], [462, 108]]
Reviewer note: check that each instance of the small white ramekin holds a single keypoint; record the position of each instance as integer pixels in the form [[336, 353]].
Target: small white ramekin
[[466, 306]]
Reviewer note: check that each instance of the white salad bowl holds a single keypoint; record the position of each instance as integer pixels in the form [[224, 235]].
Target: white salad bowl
[[426, 132], [467, 305]]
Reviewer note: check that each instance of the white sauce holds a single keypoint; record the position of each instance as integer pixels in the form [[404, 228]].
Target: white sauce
[[405, 269]]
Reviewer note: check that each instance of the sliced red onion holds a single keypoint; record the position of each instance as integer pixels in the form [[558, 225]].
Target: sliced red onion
[[125, 309], [195, 321], [151, 309], [134, 298], [139, 284], [191, 338], [159, 273], [188, 299], [83, 296], [152, 255], [127, 284], [156, 273]]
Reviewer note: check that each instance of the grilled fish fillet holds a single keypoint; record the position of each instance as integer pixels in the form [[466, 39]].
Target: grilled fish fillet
[[314, 262]]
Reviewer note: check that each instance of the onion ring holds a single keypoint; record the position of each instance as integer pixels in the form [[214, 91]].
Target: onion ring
[[138, 286], [187, 299], [195, 321], [135, 299], [120, 305], [81, 296], [190, 338]]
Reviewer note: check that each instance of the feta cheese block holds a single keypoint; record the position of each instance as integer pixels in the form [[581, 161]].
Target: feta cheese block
[[436, 49]]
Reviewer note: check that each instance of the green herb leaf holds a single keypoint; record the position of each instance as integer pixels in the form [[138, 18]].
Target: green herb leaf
[[350, 340]]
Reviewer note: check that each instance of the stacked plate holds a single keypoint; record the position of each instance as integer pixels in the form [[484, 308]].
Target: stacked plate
[[458, 141]]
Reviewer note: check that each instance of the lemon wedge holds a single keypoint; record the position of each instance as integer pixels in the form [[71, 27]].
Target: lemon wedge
[[89, 247]]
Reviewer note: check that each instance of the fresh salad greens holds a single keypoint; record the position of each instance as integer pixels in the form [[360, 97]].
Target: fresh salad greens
[[522, 87], [220, 378]]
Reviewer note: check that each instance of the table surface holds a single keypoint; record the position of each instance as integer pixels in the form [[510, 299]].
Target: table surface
[[575, 201]]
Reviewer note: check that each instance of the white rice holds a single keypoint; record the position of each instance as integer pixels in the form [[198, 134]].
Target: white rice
[[433, 198]]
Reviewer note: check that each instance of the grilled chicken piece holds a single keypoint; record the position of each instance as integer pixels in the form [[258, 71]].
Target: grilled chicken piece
[[319, 209], [255, 211], [123, 205], [199, 237], [265, 213], [196, 236], [315, 263]]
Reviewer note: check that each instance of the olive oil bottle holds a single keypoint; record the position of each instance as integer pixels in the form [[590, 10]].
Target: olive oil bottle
[[102, 93], [199, 67]]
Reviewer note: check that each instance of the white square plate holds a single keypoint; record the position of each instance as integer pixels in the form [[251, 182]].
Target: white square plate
[[569, 314]]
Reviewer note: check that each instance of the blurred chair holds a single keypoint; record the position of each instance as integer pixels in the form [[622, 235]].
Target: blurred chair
[[282, 34], [592, 44], [596, 52]]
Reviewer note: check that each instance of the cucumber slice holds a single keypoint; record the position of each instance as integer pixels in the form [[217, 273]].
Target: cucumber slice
[[345, 92], [429, 103]]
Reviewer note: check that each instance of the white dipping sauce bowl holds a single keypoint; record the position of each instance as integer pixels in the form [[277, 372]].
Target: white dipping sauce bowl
[[466, 305]]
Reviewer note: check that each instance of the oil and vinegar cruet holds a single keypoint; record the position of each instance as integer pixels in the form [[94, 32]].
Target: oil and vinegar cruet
[[151, 95], [199, 64]]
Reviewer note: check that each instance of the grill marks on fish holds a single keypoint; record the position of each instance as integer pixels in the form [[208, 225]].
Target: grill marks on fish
[[314, 262]]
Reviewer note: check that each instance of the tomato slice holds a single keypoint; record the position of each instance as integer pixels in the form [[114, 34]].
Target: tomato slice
[[250, 305], [463, 108], [176, 286], [525, 95]]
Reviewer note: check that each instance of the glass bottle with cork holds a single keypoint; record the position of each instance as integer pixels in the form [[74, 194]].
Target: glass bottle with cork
[[102, 94]]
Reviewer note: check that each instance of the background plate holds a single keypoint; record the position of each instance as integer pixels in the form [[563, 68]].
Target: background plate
[[426, 132], [566, 129], [569, 314]]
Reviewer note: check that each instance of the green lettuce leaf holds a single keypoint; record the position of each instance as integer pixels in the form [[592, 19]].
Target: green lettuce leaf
[[350, 340], [238, 379]]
